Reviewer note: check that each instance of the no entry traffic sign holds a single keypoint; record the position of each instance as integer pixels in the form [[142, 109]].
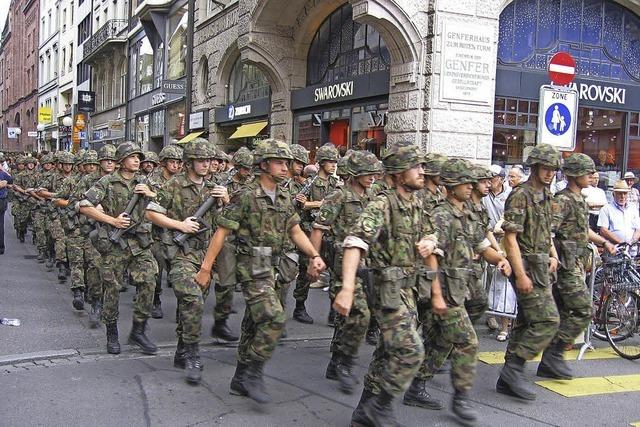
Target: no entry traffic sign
[[562, 68]]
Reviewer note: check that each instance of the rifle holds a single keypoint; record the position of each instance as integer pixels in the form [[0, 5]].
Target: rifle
[[366, 275], [306, 190], [115, 236], [182, 239]]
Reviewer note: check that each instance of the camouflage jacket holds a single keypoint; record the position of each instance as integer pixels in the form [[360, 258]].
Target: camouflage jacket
[[318, 190], [236, 186], [430, 200], [340, 210], [570, 223], [529, 214], [379, 186], [258, 221]]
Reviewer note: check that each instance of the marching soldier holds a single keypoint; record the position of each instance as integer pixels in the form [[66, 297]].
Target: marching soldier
[[150, 163], [40, 216], [316, 189], [527, 225], [572, 234], [339, 211], [261, 216], [113, 193]]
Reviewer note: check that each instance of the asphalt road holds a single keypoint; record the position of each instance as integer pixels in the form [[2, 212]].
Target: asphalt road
[[54, 371]]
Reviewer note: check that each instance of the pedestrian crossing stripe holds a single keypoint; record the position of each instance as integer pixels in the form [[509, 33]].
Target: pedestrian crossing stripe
[[636, 424], [594, 385], [497, 357]]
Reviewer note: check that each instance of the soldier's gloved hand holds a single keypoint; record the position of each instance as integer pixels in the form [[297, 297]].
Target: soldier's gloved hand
[[144, 189], [426, 247], [524, 285], [343, 302], [122, 221], [190, 225], [316, 266], [203, 279]]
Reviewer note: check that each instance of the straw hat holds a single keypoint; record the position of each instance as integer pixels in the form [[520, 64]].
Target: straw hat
[[629, 175], [621, 187]]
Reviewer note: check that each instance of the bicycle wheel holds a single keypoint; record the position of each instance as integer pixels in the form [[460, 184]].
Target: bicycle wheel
[[621, 326]]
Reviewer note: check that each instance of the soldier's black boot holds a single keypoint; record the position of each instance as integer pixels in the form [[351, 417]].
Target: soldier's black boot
[[41, 258], [156, 310], [331, 373], [359, 418], [417, 395], [300, 313], [373, 334], [62, 271], [380, 410], [78, 299], [344, 370], [193, 365], [553, 364], [222, 331], [49, 264], [94, 314], [179, 359], [254, 383], [512, 381], [139, 338], [237, 382], [113, 345], [461, 407]]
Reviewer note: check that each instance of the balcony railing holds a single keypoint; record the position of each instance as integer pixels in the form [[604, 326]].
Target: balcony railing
[[110, 31]]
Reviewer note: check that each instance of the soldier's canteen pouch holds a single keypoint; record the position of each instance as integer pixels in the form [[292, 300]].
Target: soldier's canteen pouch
[[456, 282], [288, 266], [261, 262], [425, 280], [538, 268], [392, 280]]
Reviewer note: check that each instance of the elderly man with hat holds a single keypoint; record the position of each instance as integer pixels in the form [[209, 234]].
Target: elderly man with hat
[[633, 199], [619, 221]]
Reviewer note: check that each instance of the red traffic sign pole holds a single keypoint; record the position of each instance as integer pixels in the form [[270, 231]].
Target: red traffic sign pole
[[562, 69]]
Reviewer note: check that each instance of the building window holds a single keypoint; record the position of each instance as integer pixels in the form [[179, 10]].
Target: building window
[[176, 121], [64, 61], [215, 6], [84, 73], [247, 82], [157, 124], [123, 81], [159, 65], [343, 48], [84, 30], [142, 131], [71, 57], [133, 54], [145, 67], [203, 79], [177, 66]]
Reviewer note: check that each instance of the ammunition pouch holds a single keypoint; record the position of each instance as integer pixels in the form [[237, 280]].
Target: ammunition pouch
[[456, 284], [392, 281], [537, 266]]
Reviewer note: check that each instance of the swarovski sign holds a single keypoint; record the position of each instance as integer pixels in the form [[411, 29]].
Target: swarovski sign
[[595, 92], [336, 91]]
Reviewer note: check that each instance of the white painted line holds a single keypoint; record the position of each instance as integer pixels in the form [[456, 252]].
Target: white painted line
[[564, 69]]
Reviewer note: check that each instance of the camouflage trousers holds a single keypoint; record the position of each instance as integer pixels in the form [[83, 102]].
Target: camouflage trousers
[[93, 261], [157, 249], [301, 291], [142, 269], [40, 229], [190, 297], [399, 352], [454, 339], [536, 323], [22, 217], [59, 240], [264, 316], [574, 303], [226, 269], [349, 331], [83, 265]]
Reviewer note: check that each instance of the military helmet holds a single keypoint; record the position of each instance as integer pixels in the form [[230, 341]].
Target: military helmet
[[107, 152], [545, 155], [79, 157], [433, 163], [127, 149], [47, 158], [363, 163], [299, 153], [327, 153], [480, 172], [243, 158], [29, 159], [271, 148], [150, 156], [215, 152], [170, 152], [66, 157], [196, 149], [457, 171], [401, 157], [91, 158], [341, 167], [578, 164]]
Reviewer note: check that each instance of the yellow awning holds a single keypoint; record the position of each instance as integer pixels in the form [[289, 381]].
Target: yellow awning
[[248, 130], [190, 137]]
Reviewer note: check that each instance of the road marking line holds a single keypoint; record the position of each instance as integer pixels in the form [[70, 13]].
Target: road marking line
[[636, 424], [497, 357], [593, 385]]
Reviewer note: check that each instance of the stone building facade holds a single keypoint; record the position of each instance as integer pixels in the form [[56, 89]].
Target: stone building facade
[[20, 52]]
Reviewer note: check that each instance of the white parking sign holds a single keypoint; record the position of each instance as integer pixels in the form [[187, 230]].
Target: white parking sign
[[558, 117]]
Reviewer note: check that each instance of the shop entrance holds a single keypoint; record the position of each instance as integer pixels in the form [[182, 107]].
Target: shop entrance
[[337, 132]]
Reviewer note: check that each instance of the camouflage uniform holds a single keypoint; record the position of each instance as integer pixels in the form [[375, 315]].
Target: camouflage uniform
[[25, 206], [40, 216], [57, 228]]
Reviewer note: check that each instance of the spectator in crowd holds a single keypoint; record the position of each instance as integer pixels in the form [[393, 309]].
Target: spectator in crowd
[[515, 176], [633, 199], [618, 221], [596, 198]]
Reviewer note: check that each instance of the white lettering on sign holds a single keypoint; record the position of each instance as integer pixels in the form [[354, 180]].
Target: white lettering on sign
[[339, 90], [243, 110], [468, 64], [610, 94], [158, 98]]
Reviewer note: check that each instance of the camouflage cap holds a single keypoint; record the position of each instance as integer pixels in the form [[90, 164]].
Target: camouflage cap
[[170, 152], [127, 149], [300, 153], [243, 158], [480, 172], [272, 148], [150, 156], [401, 157], [545, 155], [107, 152], [433, 163], [578, 164], [91, 158], [196, 149], [362, 163], [66, 157], [327, 152], [47, 158], [457, 171]]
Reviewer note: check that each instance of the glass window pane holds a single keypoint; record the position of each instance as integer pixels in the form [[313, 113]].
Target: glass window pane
[[145, 67], [177, 64]]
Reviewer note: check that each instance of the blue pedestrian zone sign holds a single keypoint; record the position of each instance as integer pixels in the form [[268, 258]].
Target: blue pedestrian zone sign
[[557, 117]]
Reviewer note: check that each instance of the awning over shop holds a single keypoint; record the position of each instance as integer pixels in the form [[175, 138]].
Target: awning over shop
[[248, 130], [190, 137]]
